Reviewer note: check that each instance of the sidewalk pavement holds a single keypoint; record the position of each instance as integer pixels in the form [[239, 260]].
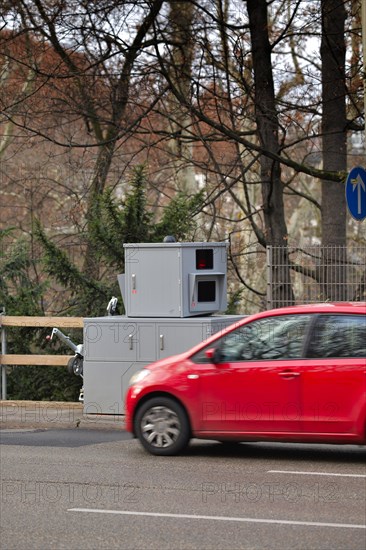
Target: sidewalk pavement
[[54, 414]]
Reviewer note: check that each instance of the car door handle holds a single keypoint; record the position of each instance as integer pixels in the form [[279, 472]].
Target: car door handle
[[289, 374]]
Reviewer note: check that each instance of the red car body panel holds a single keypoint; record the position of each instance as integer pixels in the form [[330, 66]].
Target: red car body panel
[[306, 399]]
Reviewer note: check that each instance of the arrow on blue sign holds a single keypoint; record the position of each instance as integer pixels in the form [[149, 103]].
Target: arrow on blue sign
[[356, 193]]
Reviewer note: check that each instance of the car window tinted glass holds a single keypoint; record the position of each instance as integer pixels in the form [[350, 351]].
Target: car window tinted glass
[[338, 336], [277, 337]]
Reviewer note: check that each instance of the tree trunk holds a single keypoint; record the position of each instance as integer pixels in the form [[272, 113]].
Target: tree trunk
[[180, 72], [267, 127], [334, 129]]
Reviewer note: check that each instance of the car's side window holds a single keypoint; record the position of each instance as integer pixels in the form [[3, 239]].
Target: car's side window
[[338, 336], [277, 337]]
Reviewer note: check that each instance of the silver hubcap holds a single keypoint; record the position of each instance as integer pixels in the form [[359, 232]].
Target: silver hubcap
[[160, 426]]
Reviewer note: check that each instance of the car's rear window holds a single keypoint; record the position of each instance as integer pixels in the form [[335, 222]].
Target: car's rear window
[[338, 336]]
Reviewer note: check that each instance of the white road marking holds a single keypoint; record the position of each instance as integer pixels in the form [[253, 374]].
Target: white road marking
[[313, 473], [218, 518], [19, 430]]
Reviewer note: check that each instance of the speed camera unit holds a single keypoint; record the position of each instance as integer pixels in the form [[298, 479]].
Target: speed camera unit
[[174, 279]]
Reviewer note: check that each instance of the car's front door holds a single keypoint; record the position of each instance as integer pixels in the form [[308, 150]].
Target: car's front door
[[255, 384]]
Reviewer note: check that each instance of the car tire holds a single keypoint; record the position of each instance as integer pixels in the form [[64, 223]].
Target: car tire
[[162, 426]]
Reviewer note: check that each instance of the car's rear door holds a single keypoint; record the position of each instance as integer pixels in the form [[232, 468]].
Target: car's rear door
[[334, 375]]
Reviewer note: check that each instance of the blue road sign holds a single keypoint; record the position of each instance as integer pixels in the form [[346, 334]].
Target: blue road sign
[[356, 193]]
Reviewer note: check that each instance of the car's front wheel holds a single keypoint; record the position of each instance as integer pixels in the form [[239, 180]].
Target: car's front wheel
[[162, 426]]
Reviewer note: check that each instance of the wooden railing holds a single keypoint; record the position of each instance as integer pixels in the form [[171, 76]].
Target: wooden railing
[[7, 359]]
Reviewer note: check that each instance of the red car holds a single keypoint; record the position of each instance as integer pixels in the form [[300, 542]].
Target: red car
[[296, 374]]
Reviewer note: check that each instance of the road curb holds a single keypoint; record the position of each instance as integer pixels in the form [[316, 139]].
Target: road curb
[[54, 414]]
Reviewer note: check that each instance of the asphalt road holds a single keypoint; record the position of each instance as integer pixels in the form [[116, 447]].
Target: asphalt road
[[75, 488]]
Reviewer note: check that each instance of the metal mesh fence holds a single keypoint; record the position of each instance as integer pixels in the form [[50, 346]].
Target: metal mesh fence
[[315, 274]]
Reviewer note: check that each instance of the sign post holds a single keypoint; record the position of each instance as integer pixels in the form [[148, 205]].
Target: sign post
[[356, 193]]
